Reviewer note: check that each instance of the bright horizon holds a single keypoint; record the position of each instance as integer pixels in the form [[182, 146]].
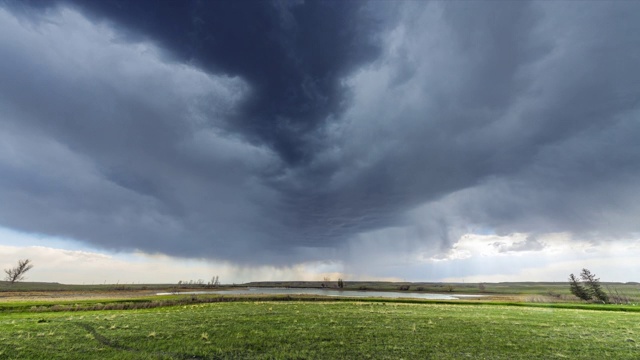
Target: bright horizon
[[363, 140], [72, 263]]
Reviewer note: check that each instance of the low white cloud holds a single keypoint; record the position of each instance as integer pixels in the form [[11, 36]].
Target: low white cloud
[[495, 245], [89, 267], [552, 257], [69, 262], [609, 268]]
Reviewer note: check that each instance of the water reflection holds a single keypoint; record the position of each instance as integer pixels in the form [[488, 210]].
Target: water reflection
[[328, 292]]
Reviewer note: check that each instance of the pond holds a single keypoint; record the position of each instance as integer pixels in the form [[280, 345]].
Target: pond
[[329, 292]]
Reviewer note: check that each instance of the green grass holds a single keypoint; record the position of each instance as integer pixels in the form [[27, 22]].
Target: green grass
[[148, 302], [322, 330]]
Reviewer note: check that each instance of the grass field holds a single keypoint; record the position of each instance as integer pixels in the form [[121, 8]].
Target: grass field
[[322, 330], [524, 291]]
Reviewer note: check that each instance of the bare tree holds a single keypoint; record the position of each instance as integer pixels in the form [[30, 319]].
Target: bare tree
[[17, 273]]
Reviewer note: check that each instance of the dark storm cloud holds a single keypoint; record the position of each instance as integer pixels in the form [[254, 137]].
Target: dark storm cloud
[[279, 132], [293, 53]]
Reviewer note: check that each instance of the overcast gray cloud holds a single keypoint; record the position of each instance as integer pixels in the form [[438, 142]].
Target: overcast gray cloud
[[281, 132]]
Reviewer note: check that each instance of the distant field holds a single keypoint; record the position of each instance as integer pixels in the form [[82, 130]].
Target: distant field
[[536, 292], [521, 291], [515, 288], [322, 330]]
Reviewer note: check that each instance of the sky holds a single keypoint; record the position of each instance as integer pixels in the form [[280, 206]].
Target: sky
[[159, 141]]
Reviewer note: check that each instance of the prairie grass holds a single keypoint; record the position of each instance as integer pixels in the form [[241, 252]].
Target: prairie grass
[[323, 330]]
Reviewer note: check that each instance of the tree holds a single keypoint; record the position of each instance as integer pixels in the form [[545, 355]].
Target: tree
[[17, 273], [577, 289], [588, 288], [340, 283], [593, 286]]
